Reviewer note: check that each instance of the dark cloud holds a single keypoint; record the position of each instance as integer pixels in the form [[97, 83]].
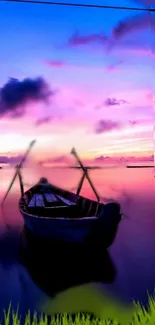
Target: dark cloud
[[106, 125], [15, 93], [133, 24], [114, 101], [43, 120], [146, 3], [77, 40]]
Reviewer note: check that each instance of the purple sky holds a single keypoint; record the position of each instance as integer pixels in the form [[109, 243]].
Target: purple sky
[[76, 77]]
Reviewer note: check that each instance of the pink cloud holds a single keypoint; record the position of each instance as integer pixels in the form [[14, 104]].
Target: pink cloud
[[67, 65], [115, 67], [43, 120], [138, 52], [118, 159], [55, 63], [56, 160], [140, 122], [132, 122]]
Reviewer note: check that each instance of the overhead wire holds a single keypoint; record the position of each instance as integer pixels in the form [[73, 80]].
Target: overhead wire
[[70, 4]]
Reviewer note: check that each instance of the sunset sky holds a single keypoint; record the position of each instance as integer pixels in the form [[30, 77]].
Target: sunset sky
[[77, 77]]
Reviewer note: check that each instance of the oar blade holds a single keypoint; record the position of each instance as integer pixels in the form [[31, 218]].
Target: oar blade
[[19, 166], [73, 151]]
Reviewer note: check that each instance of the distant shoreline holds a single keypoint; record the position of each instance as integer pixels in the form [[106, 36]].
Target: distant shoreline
[[145, 166]]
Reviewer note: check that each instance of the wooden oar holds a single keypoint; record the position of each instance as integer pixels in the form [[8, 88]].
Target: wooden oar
[[81, 183], [73, 152], [20, 180], [19, 166]]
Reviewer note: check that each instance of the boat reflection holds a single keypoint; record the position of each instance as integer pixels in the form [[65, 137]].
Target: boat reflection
[[55, 266]]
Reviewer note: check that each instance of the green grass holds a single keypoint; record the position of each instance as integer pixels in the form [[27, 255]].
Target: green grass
[[141, 316]]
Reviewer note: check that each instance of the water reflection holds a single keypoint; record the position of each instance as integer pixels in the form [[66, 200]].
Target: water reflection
[[55, 267], [131, 272], [30, 276]]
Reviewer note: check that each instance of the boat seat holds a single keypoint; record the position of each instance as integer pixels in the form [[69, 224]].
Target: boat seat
[[53, 212]]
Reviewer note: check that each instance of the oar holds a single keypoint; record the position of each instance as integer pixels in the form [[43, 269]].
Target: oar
[[73, 152], [20, 180], [81, 182], [19, 166]]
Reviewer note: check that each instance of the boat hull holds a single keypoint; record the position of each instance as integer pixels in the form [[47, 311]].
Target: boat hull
[[97, 230], [56, 214], [61, 229]]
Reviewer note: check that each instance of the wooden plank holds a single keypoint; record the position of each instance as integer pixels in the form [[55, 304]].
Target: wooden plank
[[57, 207], [68, 202], [39, 200], [50, 197], [36, 201], [32, 202]]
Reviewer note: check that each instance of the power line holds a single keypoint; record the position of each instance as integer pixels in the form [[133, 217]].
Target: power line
[[69, 4]]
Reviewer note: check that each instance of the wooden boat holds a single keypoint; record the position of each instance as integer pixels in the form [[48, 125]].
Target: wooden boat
[[57, 214], [51, 212]]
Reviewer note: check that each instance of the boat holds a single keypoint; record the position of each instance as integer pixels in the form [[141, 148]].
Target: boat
[[53, 213]]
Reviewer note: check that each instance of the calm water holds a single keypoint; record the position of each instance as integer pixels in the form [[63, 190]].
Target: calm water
[[133, 252]]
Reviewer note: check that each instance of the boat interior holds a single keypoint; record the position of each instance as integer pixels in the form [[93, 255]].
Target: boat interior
[[48, 201]]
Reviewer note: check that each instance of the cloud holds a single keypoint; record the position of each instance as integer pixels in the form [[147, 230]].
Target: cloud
[[140, 52], [101, 159], [10, 160], [147, 3], [133, 122], [15, 93], [115, 67], [43, 120], [114, 102], [140, 122], [110, 102], [56, 160], [78, 40], [54, 63], [133, 24], [69, 65], [106, 125], [149, 158], [127, 159]]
